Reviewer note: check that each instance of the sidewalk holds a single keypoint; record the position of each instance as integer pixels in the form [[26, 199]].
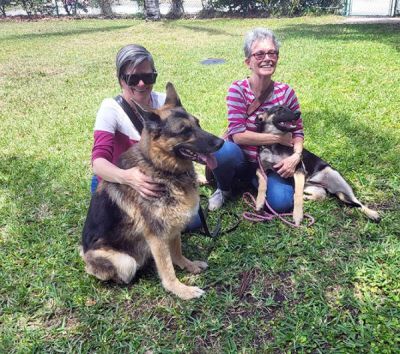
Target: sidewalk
[[368, 19]]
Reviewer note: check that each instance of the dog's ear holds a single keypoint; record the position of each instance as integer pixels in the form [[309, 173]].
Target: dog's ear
[[172, 97]]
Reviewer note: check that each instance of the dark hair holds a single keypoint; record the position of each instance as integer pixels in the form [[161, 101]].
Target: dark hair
[[130, 56]]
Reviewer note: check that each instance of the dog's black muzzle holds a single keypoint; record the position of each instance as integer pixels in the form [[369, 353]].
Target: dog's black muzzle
[[200, 148], [285, 120]]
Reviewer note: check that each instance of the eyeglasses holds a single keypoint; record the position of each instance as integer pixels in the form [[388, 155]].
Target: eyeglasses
[[133, 79], [261, 55]]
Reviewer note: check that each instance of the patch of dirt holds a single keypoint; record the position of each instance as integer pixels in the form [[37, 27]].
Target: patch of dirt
[[390, 204], [276, 287], [209, 343], [60, 318]]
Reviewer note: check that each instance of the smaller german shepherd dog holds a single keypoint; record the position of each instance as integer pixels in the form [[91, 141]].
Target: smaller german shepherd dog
[[313, 176], [123, 230]]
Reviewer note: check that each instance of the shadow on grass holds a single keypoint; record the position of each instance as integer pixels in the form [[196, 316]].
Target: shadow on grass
[[360, 133], [66, 33], [37, 195], [343, 31], [380, 32], [208, 30]]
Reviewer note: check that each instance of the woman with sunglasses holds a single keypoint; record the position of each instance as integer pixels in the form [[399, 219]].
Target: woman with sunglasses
[[245, 99], [114, 132]]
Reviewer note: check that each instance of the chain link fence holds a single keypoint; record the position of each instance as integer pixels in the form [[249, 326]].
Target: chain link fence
[[89, 7], [169, 8]]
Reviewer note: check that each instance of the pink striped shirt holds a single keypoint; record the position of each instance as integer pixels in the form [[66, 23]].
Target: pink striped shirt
[[239, 98]]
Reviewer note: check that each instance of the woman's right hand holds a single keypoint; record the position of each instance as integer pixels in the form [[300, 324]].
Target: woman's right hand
[[142, 183], [286, 139]]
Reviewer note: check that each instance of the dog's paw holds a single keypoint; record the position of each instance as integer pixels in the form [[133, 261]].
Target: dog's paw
[[260, 204], [309, 197], [298, 217], [259, 208], [187, 292], [196, 267]]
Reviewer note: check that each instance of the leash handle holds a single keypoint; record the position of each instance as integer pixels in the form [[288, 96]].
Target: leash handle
[[264, 216]]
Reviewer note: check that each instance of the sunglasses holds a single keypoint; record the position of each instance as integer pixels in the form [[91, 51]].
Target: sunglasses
[[133, 79], [270, 54]]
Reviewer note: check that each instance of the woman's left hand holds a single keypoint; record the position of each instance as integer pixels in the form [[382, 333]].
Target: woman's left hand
[[287, 166]]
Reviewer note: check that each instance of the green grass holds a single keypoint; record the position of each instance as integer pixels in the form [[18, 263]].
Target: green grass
[[331, 288]]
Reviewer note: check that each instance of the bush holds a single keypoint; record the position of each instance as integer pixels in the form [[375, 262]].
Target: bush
[[3, 5], [276, 7], [35, 7]]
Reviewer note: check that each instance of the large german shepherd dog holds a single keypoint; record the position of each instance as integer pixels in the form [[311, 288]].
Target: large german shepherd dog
[[123, 230], [313, 177]]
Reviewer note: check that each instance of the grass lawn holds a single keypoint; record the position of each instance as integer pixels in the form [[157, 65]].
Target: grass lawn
[[331, 288]]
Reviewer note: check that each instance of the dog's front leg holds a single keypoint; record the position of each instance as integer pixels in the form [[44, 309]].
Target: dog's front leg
[[262, 190], [181, 261], [298, 213], [160, 250]]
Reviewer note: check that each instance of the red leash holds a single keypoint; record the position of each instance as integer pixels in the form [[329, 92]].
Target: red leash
[[264, 215]]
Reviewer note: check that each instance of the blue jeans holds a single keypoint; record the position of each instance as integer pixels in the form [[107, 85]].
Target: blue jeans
[[232, 164], [195, 222]]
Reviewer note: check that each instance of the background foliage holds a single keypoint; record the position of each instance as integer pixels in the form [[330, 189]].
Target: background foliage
[[277, 7], [210, 7]]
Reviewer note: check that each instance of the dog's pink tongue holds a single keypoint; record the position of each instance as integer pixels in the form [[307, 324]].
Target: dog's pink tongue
[[209, 160]]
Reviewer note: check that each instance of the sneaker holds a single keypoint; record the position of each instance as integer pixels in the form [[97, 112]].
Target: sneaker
[[217, 200]]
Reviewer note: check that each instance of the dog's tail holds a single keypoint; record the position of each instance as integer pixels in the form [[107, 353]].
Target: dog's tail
[[336, 184], [107, 264], [372, 214]]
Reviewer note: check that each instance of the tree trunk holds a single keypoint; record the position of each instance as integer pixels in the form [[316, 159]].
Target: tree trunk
[[27, 6], [176, 10], [105, 7], [152, 9]]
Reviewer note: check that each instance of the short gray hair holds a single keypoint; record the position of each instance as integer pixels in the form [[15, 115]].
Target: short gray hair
[[258, 34], [130, 56]]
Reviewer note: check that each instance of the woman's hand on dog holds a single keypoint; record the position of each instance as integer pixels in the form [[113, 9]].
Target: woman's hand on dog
[[286, 167], [143, 184], [285, 139]]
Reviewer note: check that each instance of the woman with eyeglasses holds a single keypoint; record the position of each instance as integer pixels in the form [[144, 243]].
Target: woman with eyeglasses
[[114, 132], [245, 99]]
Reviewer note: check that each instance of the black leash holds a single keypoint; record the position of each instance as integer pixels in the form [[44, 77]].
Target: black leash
[[217, 230], [138, 124]]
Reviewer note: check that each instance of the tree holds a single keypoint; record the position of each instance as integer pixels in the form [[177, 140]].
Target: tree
[[176, 10], [105, 7], [3, 4], [152, 9]]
